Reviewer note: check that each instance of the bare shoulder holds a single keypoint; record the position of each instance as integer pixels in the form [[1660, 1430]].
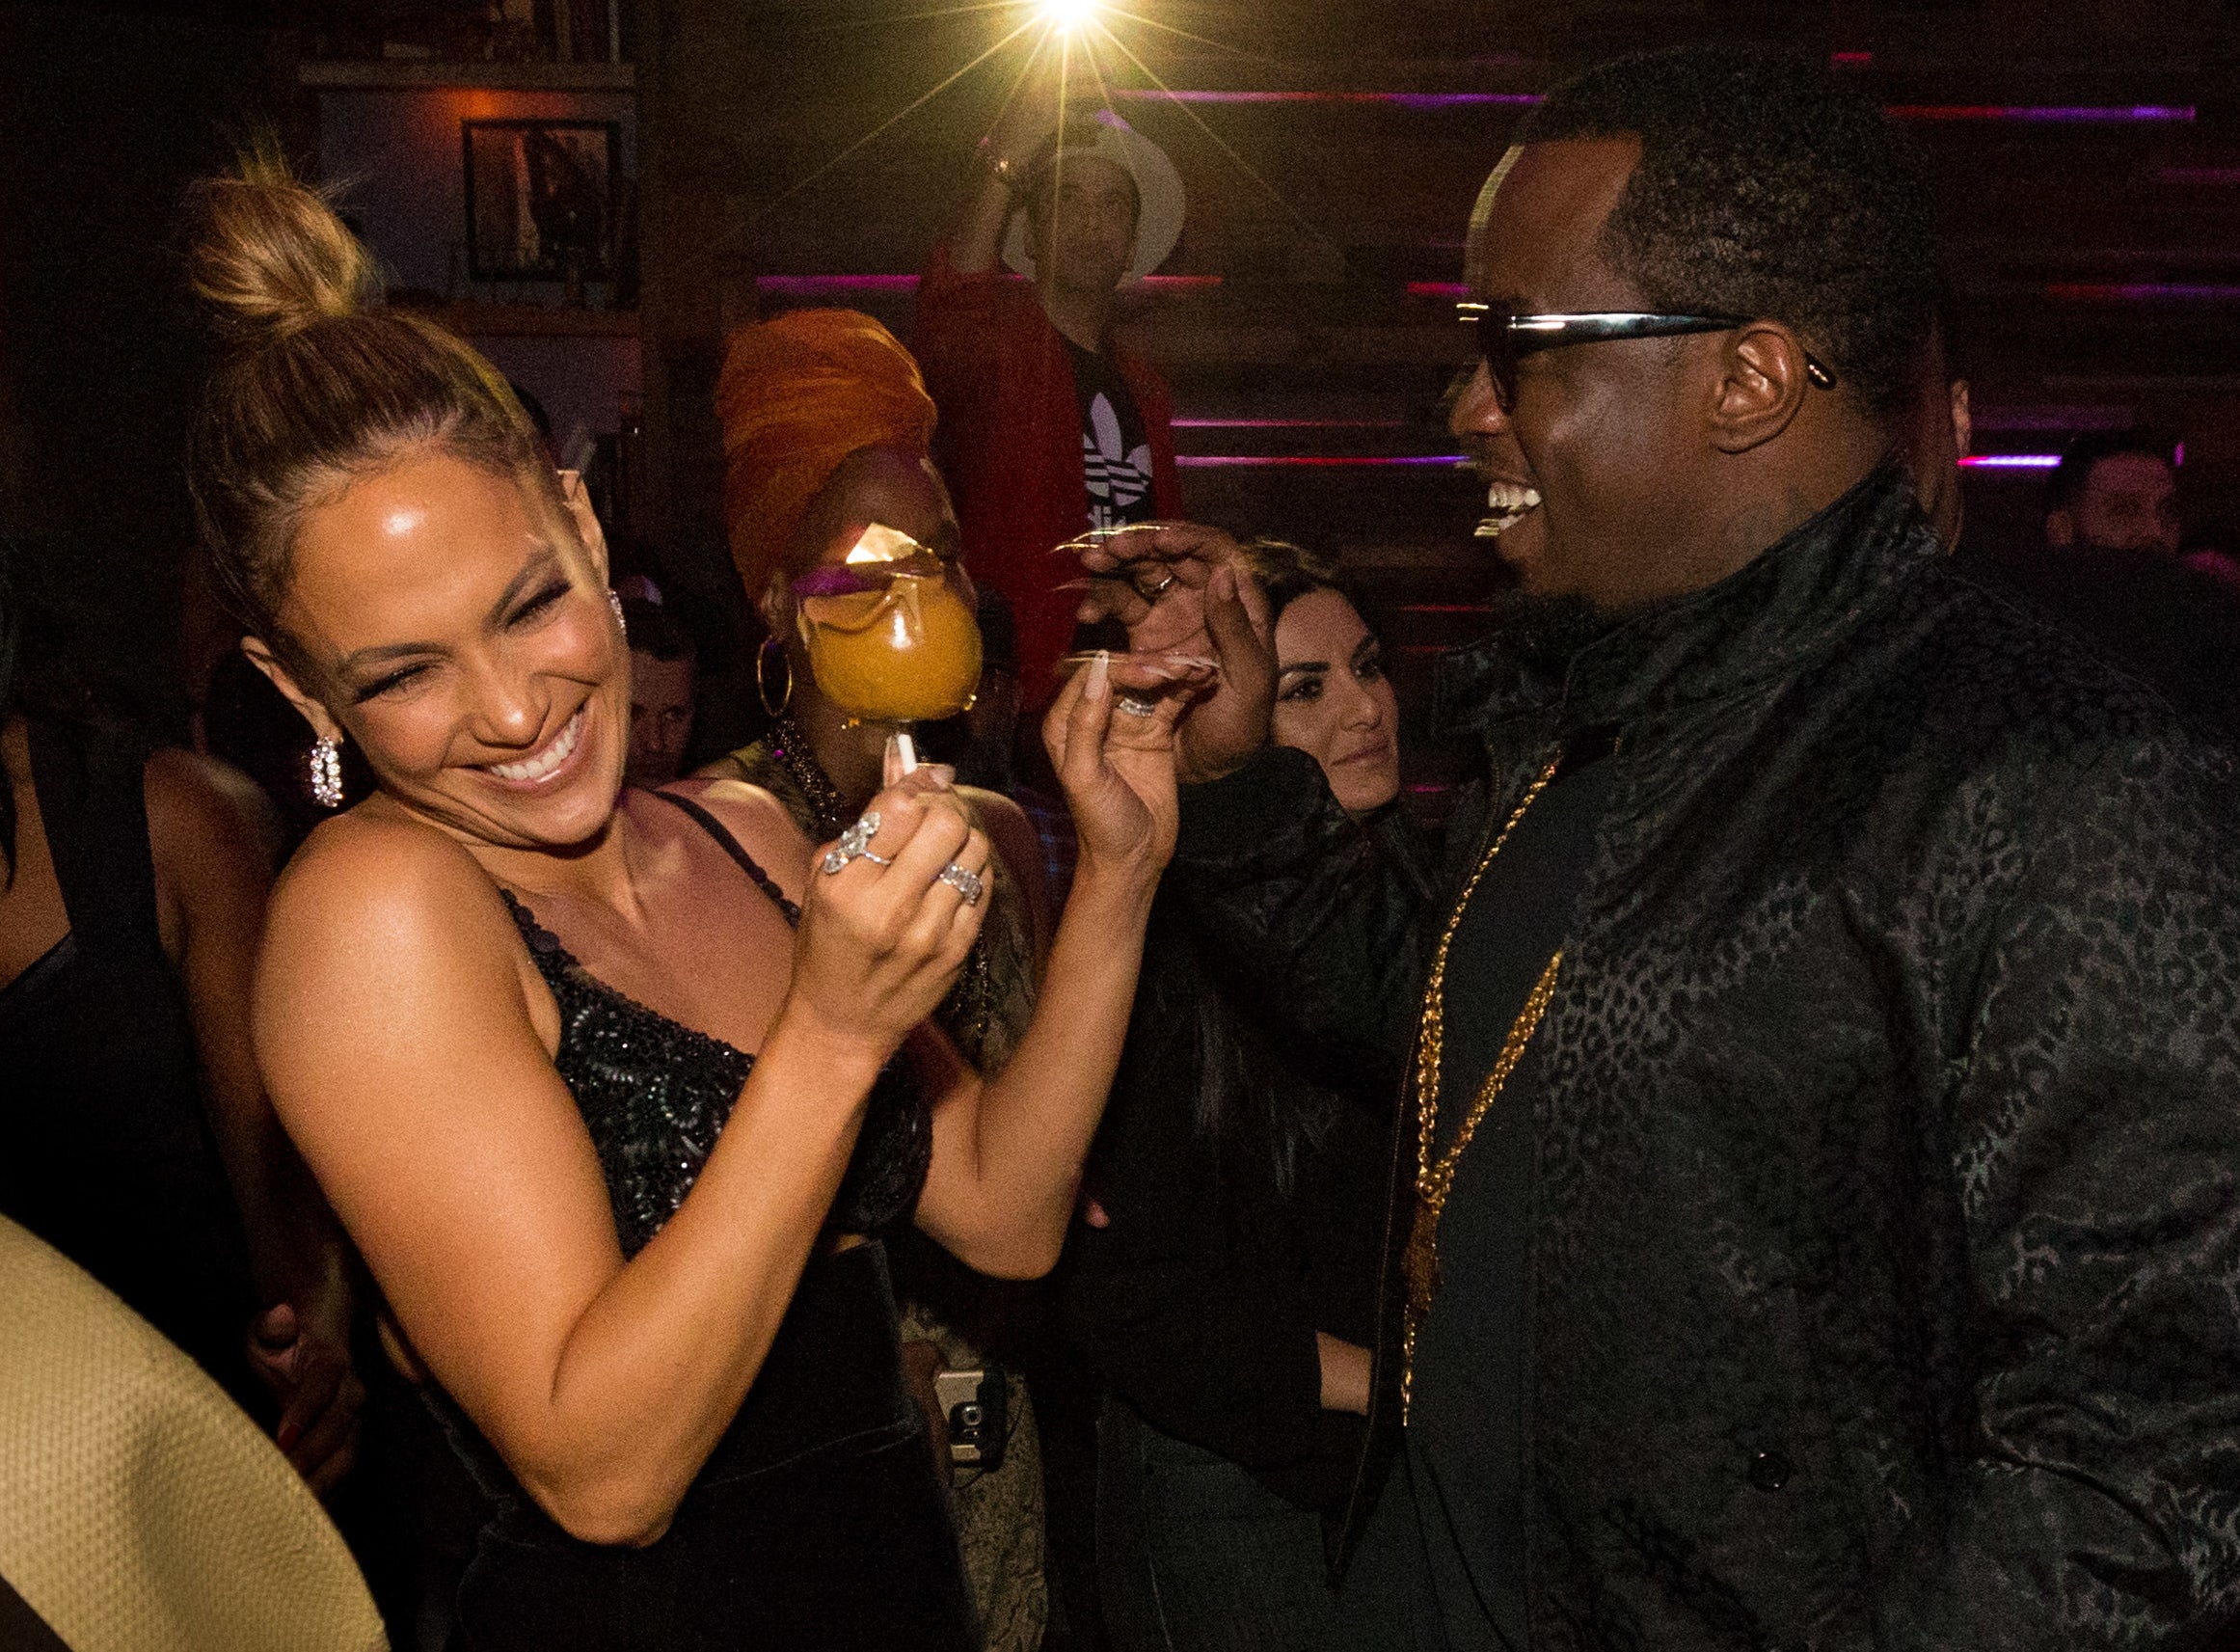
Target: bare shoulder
[[763, 825], [203, 811], [379, 899]]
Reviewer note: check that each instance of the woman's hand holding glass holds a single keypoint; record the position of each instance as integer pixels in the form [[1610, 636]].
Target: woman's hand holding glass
[[884, 931]]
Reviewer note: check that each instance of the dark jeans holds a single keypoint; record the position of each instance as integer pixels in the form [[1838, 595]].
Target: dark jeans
[[1194, 1554]]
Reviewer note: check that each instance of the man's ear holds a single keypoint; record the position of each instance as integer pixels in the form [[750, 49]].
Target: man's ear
[[587, 525], [1761, 387], [2060, 528], [264, 660]]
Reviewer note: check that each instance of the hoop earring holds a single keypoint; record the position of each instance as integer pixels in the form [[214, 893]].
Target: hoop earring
[[327, 773], [761, 685]]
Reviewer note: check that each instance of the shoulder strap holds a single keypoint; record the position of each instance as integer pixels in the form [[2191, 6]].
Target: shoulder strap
[[94, 805], [730, 846]]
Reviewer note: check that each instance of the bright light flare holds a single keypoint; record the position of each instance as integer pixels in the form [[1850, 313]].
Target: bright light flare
[[1063, 16]]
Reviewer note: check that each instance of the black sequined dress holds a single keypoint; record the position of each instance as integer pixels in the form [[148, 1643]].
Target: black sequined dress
[[817, 1522]]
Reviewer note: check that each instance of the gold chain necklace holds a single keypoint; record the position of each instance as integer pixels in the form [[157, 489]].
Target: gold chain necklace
[[1434, 1171]]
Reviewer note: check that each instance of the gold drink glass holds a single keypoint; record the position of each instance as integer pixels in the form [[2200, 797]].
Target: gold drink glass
[[889, 633]]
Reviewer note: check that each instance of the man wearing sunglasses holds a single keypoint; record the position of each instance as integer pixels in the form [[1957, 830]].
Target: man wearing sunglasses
[[1817, 1217]]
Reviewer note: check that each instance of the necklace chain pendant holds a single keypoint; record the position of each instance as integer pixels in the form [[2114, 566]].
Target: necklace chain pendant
[[1420, 1264], [1419, 1261]]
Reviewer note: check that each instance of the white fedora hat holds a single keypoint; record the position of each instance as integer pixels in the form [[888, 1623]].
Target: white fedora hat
[[1158, 192]]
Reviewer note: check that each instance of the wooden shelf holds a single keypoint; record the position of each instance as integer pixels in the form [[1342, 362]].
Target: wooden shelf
[[409, 75], [483, 320]]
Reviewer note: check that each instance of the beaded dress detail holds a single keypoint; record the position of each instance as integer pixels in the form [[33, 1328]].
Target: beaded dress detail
[[655, 1094], [821, 1478]]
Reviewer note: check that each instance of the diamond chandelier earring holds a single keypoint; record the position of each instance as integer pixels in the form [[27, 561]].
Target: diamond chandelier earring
[[327, 773], [614, 602]]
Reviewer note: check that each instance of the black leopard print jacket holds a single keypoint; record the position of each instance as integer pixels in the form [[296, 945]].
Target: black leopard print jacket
[[1891, 1121]]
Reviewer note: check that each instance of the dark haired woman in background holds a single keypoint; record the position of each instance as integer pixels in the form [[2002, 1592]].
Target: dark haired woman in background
[[1224, 1284], [135, 1136], [600, 1078]]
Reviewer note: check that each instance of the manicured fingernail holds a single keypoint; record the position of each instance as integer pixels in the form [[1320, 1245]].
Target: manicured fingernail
[[1099, 676], [289, 1433]]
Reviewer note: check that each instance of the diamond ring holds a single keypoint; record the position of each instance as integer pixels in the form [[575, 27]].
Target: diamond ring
[[966, 883], [1134, 705], [854, 844]]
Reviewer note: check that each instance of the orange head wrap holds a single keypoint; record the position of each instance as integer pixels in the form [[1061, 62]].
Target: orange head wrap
[[797, 397]]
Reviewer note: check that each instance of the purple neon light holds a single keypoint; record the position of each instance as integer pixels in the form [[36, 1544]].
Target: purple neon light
[[1288, 424], [2010, 461], [2061, 113], [813, 283], [809, 285], [2069, 114], [2142, 291], [1398, 99], [1311, 461], [2200, 175]]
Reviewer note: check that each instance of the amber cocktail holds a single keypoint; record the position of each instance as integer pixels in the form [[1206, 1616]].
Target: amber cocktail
[[890, 635]]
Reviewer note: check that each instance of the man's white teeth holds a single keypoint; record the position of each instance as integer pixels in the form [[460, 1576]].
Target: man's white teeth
[[548, 759], [1506, 504]]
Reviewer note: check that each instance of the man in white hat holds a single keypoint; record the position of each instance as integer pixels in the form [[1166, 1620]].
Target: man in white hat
[[1049, 427]]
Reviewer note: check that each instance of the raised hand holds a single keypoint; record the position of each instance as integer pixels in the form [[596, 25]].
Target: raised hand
[[1187, 597], [1116, 760], [883, 935]]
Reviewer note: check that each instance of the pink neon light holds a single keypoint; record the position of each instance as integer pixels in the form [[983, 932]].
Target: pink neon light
[[2010, 461], [2177, 457], [1399, 99], [838, 282], [2142, 291], [1288, 423], [1853, 59], [2200, 175], [2065, 113], [1310, 461], [1439, 290], [2058, 112], [804, 285]]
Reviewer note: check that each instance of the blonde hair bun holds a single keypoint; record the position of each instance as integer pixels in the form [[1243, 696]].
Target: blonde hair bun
[[269, 257]]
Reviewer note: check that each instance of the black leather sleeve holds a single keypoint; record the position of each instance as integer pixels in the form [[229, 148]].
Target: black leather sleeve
[[1310, 920], [2096, 1145]]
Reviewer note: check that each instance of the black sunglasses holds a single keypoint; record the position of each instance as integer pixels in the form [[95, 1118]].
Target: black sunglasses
[[1505, 336]]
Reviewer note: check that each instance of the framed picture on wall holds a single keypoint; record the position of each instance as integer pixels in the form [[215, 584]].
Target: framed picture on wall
[[542, 199]]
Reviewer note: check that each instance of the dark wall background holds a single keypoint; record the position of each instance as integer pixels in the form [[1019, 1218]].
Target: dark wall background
[[104, 117]]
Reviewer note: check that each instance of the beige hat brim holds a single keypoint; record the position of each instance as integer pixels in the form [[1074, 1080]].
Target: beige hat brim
[[1159, 198]]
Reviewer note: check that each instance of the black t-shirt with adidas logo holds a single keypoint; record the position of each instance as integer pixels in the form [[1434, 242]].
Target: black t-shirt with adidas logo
[[1116, 452]]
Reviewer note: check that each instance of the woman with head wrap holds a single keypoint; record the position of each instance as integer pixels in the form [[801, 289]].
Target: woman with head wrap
[[826, 426]]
